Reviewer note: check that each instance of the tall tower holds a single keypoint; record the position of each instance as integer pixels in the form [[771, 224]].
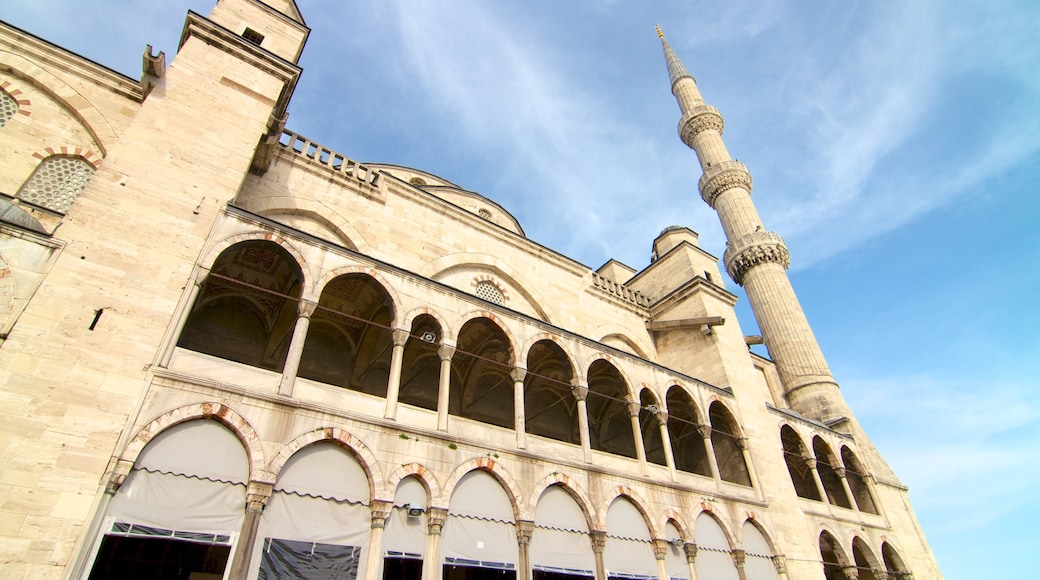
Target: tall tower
[[755, 257]]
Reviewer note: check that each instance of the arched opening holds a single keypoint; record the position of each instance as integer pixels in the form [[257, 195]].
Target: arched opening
[[833, 559], [797, 458], [688, 447], [758, 561], [56, 182], [610, 428], [420, 374], [650, 427], [247, 306], [714, 553], [550, 408], [481, 387], [560, 546], [675, 560], [479, 537], [178, 509], [856, 476], [727, 445], [864, 559], [828, 475], [349, 342], [629, 552], [317, 520], [404, 542], [894, 563]]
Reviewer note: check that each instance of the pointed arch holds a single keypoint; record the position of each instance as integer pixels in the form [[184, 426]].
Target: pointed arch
[[636, 498], [419, 472], [342, 438], [550, 407], [826, 464], [685, 430], [572, 487], [609, 404], [219, 247], [833, 557], [728, 444], [858, 479], [443, 266], [507, 481], [867, 565], [650, 413], [798, 461], [481, 387]]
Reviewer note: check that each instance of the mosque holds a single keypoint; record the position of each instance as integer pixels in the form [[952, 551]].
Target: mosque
[[229, 351]]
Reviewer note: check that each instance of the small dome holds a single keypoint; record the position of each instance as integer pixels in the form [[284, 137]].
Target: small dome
[[670, 229], [12, 214]]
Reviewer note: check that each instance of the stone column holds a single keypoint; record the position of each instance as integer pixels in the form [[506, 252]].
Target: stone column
[[666, 442], [257, 495], [660, 552], [742, 442], [393, 385], [780, 563], [170, 341], [691, 559], [705, 431], [599, 541], [850, 572], [445, 352], [295, 354], [518, 374], [739, 559], [524, 529], [637, 435], [848, 488], [811, 462], [435, 524], [374, 566], [581, 392]]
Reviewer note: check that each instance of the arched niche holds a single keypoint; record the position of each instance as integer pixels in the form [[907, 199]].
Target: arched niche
[[549, 407], [894, 565], [727, 445], [481, 388], [684, 430], [404, 541], [865, 561], [834, 559], [650, 427], [480, 528], [349, 341], [675, 553], [610, 428], [247, 306], [797, 458], [420, 376]]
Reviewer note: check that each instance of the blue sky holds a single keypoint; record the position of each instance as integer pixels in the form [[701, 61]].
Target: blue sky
[[893, 145]]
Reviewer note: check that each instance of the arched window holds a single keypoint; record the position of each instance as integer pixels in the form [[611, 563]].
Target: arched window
[[481, 387], [650, 427], [610, 428], [825, 463], [489, 291], [404, 542], [834, 560], [549, 407], [758, 563], [728, 448], [714, 553], [629, 552], [8, 107], [56, 182], [560, 546], [797, 459], [480, 530], [856, 477], [864, 559], [247, 306], [894, 564], [420, 378], [685, 433], [349, 342]]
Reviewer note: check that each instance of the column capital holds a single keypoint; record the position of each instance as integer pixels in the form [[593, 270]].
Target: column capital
[[780, 563], [599, 541], [633, 409], [435, 520], [742, 443], [380, 510], [691, 552], [518, 374], [524, 530], [662, 417], [660, 548], [739, 558], [579, 389], [840, 471], [306, 308], [257, 495], [445, 352], [704, 430], [400, 336]]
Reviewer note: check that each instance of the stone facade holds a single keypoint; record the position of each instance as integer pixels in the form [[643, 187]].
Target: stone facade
[[219, 270]]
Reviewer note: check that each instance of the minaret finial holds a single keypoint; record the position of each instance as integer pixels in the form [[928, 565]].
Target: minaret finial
[[676, 70]]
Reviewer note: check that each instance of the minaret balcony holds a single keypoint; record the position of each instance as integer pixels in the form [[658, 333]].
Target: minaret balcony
[[697, 120], [752, 250], [721, 177]]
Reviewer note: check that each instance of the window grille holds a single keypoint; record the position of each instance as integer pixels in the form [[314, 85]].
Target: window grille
[[8, 107], [484, 214], [56, 182], [253, 36], [488, 291]]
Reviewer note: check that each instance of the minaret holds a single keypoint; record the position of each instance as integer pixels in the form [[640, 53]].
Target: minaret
[[755, 257]]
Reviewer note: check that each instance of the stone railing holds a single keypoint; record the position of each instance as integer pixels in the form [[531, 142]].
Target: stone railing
[[337, 162], [619, 291]]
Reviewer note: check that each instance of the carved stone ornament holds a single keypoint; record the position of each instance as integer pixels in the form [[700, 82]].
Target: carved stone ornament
[[524, 531], [380, 510], [435, 520], [780, 563], [257, 495], [698, 120], [739, 558], [756, 248], [599, 541], [721, 177]]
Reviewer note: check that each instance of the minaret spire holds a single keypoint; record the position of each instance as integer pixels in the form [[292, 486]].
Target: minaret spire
[[755, 258]]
